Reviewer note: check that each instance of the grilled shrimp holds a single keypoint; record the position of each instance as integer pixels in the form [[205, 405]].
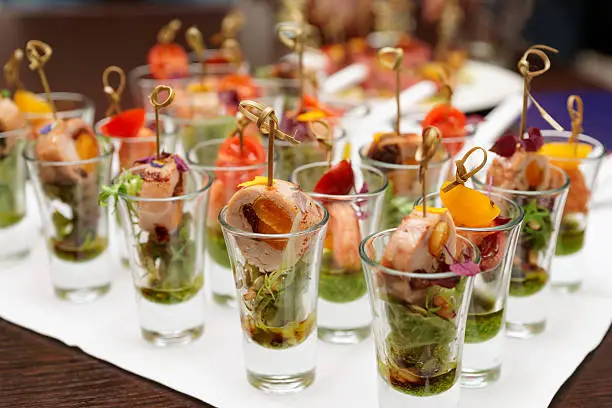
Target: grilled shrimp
[[344, 235]]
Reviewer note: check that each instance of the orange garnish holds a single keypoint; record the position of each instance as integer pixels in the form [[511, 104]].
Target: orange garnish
[[433, 210], [469, 208], [311, 116], [563, 150]]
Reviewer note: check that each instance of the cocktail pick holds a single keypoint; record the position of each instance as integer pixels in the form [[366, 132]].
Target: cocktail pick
[[426, 151], [323, 134], [392, 58], [157, 104], [194, 39], [230, 25], [292, 35], [11, 69], [450, 19], [462, 175], [114, 94], [241, 124], [39, 54], [445, 85], [528, 75], [231, 49], [168, 32], [267, 123], [575, 107]]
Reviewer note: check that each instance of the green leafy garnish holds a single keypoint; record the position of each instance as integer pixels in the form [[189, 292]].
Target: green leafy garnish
[[127, 183], [5, 93], [537, 226]]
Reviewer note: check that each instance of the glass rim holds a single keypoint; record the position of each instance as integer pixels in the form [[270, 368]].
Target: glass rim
[[109, 150], [394, 166], [535, 193], [205, 167], [345, 197], [431, 276], [62, 96], [22, 131], [504, 227], [139, 74], [135, 139], [586, 139], [257, 235], [182, 197], [340, 133]]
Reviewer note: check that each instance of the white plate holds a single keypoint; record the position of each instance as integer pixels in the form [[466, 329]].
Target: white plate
[[483, 86]]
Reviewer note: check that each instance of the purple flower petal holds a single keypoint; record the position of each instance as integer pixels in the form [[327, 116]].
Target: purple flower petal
[[534, 140], [229, 98], [505, 146], [295, 128], [468, 268], [180, 164]]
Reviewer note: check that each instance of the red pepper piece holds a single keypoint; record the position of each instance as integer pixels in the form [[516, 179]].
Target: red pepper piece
[[339, 180], [168, 61], [125, 124], [230, 155]]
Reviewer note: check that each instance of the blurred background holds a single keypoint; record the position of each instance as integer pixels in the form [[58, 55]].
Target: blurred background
[[88, 35]]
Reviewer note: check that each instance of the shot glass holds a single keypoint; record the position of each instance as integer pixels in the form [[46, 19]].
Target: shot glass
[[167, 264], [530, 279], [403, 187], [74, 226], [126, 151], [419, 325], [142, 83], [566, 270], [278, 308], [216, 259], [343, 314], [485, 328], [16, 232], [69, 105]]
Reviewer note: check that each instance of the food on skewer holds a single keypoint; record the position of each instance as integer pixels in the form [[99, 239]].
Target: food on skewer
[[11, 176], [167, 59], [271, 280]]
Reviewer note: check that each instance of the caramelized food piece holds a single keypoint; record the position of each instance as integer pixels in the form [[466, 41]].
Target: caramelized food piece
[[66, 141], [343, 235], [422, 243], [391, 148], [163, 178], [279, 209]]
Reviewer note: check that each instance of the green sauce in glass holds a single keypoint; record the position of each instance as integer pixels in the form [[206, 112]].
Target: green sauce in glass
[[340, 285], [215, 245], [530, 282], [571, 237], [483, 326]]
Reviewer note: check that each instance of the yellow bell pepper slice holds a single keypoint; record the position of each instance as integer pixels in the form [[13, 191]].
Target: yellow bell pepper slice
[[311, 116], [433, 210], [562, 150], [29, 102], [469, 208], [257, 181]]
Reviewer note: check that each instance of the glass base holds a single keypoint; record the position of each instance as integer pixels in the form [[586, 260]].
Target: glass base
[[12, 257], [351, 336], [174, 338], [224, 300], [566, 287], [480, 378], [281, 384], [524, 330], [82, 295]]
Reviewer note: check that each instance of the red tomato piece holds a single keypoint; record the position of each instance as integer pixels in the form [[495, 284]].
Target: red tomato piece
[[339, 180], [167, 61], [125, 124], [449, 120], [230, 155]]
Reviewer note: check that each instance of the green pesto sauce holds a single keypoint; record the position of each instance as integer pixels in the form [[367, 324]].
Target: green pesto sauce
[[571, 237], [173, 296], [8, 219], [91, 249], [340, 285], [483, 327], [405, 380], [529, 284], [289, 335], [204, 130], [12, 181], [395, 208], [215, 245]]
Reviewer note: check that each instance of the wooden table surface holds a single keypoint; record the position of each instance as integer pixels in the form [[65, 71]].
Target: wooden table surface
[[36, 371]]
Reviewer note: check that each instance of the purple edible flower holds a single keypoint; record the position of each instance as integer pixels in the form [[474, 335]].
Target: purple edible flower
[[47, 128], [229, 98], [180, 164], [297, 129], [465, 268]]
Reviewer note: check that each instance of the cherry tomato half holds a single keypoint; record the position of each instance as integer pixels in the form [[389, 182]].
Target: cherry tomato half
[[230, 155], [339, 180], [167, 61], [125, 124]]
